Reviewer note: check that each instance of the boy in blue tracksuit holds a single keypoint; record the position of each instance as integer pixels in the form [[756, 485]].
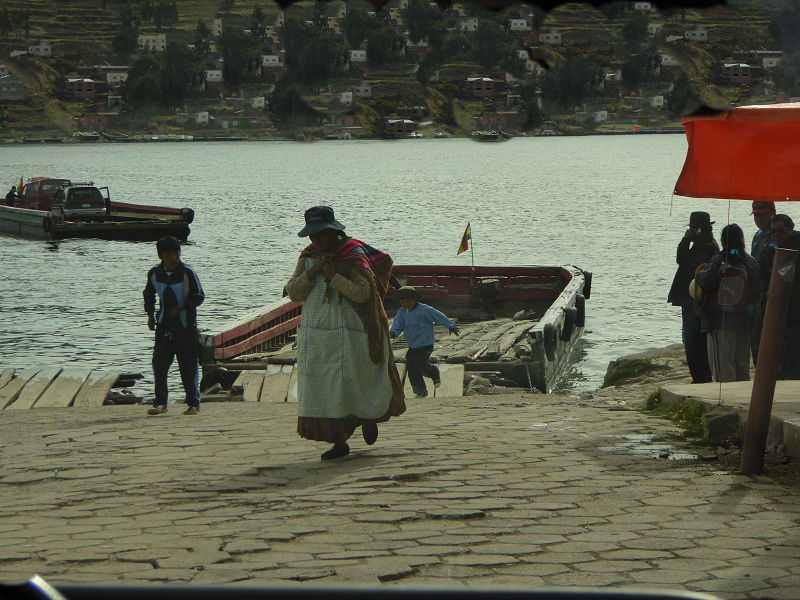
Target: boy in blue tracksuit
[[179, 294], [416, 321]]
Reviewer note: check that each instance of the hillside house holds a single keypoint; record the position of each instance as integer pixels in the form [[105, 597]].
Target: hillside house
[[156, 42], [80, 88], [346, 98], [202, 117], [258, 102], [770, 62], [668, 60], [657, 101], [117, 77], [12, 88], [738, 73], [674, 38], [44, 49], [643, 6], [398, 128], [518, 25], [271, 61], [698, 34], [653, 29], [479, 87], [600, 116], [213, 75], [216, 27], [358, 56], [469, 24], [551, 38], [363, 90]]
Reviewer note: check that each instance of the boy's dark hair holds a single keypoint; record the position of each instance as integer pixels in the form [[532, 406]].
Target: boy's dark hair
[[732, 237], [168, 243], [785, 219]]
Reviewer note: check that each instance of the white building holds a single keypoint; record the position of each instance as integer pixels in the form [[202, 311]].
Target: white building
[[519, 25], [115, 78], [674, 38], [552, 38], [668, 61], [216, 27], [346, 98], [358, 56], [213, 75], [258, 102], [41, 49], [601, 116], [271, 61], [770, 62], [470, 24], [153, 41], [644, 6], [698, 34], [201, 118], [657, 101], [653, 29]]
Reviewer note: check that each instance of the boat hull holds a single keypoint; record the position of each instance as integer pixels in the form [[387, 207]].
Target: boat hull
[[41, 225]]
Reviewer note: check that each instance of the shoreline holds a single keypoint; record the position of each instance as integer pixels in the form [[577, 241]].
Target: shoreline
[[154, 138]]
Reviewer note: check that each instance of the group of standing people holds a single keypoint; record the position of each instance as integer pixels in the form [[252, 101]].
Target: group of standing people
[[722, 293]]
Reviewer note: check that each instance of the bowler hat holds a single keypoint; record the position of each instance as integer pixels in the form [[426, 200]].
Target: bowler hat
[[319, 218], [763, 208], [700, 219], [408, 292]]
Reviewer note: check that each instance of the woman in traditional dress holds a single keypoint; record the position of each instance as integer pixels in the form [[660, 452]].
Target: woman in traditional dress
[[346, 372]]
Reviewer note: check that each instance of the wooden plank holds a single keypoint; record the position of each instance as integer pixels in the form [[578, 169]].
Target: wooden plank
[[452, 382], [95, 389], [251, 382], [292, 395], [276, 383], [13, 388], [5, 376], [35, 388], [64, 388]]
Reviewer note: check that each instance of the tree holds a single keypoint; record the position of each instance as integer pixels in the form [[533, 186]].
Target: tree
[[422, 19], [238, 55], [382, 46], [6, 24], [682, 99], [180, 74], [287, 105], [458, 46], [311, 56], [570, 83], [202, 38], [143, 87], [635, 29], [613, 10], [640, 68], [493, 44], [538, 15], [357, 26], [258, 23], [785, 27], [787, 74], [127, 38]]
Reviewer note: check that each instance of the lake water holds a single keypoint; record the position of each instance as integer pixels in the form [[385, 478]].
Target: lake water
[[601, 203]]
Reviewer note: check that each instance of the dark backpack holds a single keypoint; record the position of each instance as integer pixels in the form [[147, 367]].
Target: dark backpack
[[734, 289]]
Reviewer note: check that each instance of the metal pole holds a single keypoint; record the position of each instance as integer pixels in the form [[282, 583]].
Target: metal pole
[[772, 332]]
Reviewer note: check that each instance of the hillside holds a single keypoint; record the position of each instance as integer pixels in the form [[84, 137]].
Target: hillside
[[580, 68]]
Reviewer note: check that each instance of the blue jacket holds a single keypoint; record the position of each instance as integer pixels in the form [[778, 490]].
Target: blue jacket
[[179, 288], [418, 324]]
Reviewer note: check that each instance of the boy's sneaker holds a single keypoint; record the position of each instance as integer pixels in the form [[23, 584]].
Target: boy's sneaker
[[192, 410], [422, 395], [157, 409]]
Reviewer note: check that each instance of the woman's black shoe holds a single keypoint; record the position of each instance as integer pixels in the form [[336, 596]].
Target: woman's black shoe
[[369, 429], [339, 450]]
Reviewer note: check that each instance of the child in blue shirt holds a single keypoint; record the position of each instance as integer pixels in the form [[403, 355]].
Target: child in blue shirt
[[416, 321]]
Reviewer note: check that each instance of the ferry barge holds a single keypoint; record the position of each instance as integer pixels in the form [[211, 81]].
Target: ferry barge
[[518, 323], [56, 209]]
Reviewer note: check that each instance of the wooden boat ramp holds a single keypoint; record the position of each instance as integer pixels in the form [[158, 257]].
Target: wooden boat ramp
[[61, 387]]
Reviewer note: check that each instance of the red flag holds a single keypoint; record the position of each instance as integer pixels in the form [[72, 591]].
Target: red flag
[[464, 246]]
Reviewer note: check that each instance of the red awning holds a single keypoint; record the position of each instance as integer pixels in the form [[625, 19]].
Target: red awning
[[746, 153]]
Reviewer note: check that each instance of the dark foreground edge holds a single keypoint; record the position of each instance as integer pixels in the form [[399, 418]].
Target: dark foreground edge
[[39, 589]]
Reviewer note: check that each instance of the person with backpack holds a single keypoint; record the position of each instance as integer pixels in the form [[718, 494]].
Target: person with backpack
[[694, 250], [731, 288], [783, 235]]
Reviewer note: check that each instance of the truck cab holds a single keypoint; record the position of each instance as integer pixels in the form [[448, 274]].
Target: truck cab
[[82, 201]]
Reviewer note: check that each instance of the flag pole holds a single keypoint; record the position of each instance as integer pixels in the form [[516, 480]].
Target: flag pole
[[472, 249]]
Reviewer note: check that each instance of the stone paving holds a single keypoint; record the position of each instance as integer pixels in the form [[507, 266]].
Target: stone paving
[[519, 489]]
